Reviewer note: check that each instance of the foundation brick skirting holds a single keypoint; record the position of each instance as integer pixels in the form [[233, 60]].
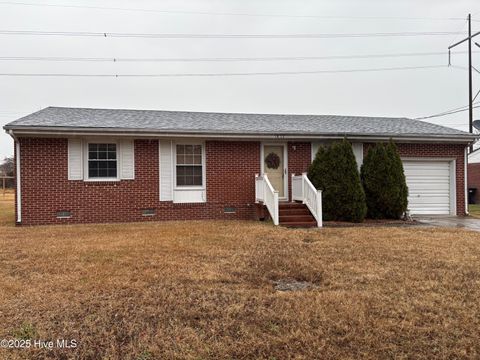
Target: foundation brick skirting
[[230, 182]]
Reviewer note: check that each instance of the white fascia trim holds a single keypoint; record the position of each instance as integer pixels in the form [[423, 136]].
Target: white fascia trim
[[363, 138]]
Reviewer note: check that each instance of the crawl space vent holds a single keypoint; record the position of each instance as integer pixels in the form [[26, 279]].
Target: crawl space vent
[[64, 214], [148, 212]]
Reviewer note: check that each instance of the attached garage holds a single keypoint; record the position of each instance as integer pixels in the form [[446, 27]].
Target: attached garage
[[431, 186]]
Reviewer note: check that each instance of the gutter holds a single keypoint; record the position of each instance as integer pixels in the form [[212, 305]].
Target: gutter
[[66, 131], [18, 182]]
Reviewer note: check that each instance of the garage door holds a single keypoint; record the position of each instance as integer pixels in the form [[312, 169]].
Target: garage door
[[429, 186]]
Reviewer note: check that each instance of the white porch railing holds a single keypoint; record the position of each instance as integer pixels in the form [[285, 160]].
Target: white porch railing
[[304, 191], [265, 193]]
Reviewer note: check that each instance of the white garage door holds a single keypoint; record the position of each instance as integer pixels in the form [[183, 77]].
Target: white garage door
[[429, 186]]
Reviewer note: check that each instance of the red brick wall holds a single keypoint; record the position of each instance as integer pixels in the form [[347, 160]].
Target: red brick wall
[[230, 169], [473, 179], [46, 189], [299, 158], [432, 150]]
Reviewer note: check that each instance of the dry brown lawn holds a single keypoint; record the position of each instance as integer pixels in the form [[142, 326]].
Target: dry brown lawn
[[203, 290], [7, 208]]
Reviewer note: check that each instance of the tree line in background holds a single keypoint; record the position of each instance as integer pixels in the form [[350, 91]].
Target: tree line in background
[[378, 191], [7, 169]]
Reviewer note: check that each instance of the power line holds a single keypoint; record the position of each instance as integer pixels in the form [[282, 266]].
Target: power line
[[214, 59], [187, 12], [453, 124], [460, 31], [445, 113], [221, 74], [223, 36], [448, 112]]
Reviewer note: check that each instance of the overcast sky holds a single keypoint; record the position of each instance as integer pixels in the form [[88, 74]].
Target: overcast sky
[[409, 93]]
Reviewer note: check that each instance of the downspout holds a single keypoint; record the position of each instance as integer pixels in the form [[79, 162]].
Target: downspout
[[18, 182], [466, 180]]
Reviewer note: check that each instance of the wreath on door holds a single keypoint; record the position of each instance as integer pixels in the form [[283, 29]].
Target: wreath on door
[[272, 160]]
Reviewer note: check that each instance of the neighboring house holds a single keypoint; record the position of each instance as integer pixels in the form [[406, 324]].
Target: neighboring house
[[474, 175], [97, 165]]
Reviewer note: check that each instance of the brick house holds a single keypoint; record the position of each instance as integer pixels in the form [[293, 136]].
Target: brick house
[[473, 178], [77, 165]]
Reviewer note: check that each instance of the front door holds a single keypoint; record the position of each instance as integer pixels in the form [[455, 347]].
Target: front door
[[274, 167]]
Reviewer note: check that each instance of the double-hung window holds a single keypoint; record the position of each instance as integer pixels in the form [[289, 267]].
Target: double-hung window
[[102, 161], [189, 165]]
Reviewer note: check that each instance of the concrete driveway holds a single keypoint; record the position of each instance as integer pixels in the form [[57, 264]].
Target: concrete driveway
[[467, 223]]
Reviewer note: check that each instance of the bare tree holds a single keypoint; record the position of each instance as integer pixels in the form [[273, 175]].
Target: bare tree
[[7, 166]]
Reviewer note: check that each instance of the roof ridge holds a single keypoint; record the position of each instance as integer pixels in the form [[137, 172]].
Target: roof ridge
[[226, 113]]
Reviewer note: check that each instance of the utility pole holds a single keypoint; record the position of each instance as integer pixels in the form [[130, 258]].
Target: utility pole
[[470, 82], [470, 67]]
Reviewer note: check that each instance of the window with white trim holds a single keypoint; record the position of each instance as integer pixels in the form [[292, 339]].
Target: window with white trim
[[189, 165], [102, 161]]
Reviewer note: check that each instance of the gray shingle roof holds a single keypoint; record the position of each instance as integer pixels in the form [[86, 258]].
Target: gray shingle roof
[[75, 119]]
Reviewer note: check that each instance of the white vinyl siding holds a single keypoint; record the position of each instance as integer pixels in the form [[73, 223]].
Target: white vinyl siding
[[75, 159], [166, 173], [127, 159], [431, 187]]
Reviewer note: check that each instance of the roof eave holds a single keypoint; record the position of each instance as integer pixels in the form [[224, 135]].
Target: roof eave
[[84, 131]]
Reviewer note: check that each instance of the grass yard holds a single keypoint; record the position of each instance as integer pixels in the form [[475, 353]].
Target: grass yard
[[7, 211], [474, 210], [203, 290]]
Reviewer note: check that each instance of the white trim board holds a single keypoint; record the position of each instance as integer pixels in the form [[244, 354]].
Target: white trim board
[[188, 194], [168, 190], [285, 165], [247, 137], [452, 182], [86, 178]]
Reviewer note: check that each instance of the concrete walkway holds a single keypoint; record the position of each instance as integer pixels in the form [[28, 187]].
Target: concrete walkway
[[467, 223]]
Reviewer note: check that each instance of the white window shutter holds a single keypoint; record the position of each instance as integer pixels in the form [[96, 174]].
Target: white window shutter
[[127, 159], [166, 170], [358, 152], [315, 146], [75, 159]]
